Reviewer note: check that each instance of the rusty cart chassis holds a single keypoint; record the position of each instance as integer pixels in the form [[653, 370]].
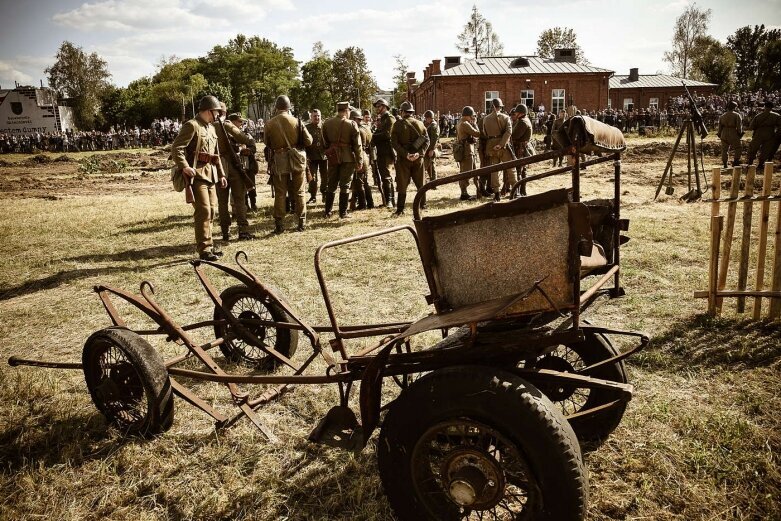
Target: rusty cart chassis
[[392, 356]]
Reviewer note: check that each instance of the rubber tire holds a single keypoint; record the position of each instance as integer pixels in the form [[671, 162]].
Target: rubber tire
[[498, 399], [594, 429], [150, 369], [286, 341]]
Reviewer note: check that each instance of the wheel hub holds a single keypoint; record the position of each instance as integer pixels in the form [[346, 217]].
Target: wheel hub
[[474, 479], [258, 330], [555, 392]]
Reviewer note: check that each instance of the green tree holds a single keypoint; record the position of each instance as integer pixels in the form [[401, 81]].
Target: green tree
[[399, 80], [316, 88], [175, 85], [769, 66], [690, 27], [81, 77], [559, 38], [715, 63], [746, 43], [478, 37], [353, 81]]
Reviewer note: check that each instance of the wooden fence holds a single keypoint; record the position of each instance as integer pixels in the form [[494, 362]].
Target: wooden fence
[[721, 243]]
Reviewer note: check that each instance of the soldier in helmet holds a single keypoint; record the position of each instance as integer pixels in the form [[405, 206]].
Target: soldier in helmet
[[730, 131], [410, 141], [282, 134], [315, 156], [497, 130], [232, 138], [432, 128], [381, 139], [372, 151], [196, 152], [360, 185], [468, 134], [765, 125], [342, 134], [522, 138]]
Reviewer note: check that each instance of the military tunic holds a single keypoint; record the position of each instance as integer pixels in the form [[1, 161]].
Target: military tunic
[[497, 130], [522, 145], [361, 186], [236, 190], [405, 132], [279, 131], [765, 125], [315, 156], [428, 160], [207, 174], [464, 131], [381, 139], [344, 134], [730, 132]]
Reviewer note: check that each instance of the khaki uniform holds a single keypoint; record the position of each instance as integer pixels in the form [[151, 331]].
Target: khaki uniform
[[381, 139], [730, 132], [344, 134], [765, 126], [522, 144], [206, 175], [558, 123], [280, 127], [236, 190], [464, 130], [497, 130], [361, 186], [316, 160], [405, 132], [428, 160]]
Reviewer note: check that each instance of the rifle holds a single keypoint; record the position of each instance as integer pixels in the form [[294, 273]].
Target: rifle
[[696, 116], [249, 183]]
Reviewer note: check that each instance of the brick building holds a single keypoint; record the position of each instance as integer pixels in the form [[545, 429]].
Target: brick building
[[652, 90], [532, 80]]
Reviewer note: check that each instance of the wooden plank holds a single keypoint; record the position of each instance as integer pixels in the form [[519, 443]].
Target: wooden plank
[[730, 228], [775, 304], [764, 222], [733, 293], [715, 190], [716, 224], [745, 242]]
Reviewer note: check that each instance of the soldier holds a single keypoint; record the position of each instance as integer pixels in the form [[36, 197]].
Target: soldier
[[369, 124], [730, 132], [410, 141], [360, 185], [283, 133], [497, 130], [341, 134], [433, 136], [385, 153], [522, 138], [196, 152], [315, 156], [558, 123], [468, 133], [765, 125], [231, 140]]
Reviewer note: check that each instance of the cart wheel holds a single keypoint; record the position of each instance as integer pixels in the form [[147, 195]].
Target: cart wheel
[[244, 304], [595, 428], [479, 443], [128, 381]]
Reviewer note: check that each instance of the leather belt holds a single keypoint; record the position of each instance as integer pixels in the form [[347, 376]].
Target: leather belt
[[203, 157], [494, 137]]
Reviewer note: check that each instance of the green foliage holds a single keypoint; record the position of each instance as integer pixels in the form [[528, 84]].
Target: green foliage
[[690, 27], [95, 164], [559, 38], [400, 80], [769, 67], [715, 63], [317, 85], [746, 43], [478, 37], [82, 78], [352, 79]]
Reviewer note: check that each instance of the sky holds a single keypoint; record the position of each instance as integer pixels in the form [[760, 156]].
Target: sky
[[133, 35]]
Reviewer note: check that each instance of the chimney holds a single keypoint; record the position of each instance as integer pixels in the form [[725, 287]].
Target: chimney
[[435, 68], [634, 74], [452, 61], [410, 79], [564, 55]]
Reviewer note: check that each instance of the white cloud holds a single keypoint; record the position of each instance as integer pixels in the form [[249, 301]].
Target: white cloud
[[9, 74]]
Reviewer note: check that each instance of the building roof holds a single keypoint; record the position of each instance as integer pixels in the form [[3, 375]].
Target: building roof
[[646, 81], [493, 65]]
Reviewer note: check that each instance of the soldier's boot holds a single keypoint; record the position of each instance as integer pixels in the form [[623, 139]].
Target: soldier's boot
[[400, 202], [361, 204], [289, 205], [368, 196], [312, 192], [523, 185], [329, 204], [344, 200], [497, 196], [226, 236], [393, 194], [252, 197], [301, 224], [278, 227], [388, 191]]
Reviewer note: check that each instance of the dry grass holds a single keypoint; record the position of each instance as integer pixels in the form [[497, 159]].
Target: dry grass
[[700, 440]]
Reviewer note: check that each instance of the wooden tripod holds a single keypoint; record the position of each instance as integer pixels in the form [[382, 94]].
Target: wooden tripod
[[692, 156]]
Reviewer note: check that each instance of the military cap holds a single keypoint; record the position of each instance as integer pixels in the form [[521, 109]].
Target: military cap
[[406, 107], [366, 112], [235, 117], [428, 114], [520, 108], [343, 105], [282, 103], [468, 111], [381, 101], [355, 114], [497, 102], [208, 103], [731, 105]]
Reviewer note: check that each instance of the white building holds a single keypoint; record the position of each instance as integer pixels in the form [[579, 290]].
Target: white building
[[29, 110]]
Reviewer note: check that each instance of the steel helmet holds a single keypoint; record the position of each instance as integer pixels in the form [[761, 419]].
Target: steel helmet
[[355, 114], [468, 111], [208, 103], [497, 102], [428, 114], [282, 103], [406, 107], [381, 101]]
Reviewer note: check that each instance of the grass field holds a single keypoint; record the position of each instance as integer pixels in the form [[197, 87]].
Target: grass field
[[700, 440]]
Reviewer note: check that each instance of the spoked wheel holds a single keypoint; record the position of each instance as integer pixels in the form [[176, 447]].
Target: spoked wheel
[[247, 307], [128, 381], [594, 428], [479, 443]]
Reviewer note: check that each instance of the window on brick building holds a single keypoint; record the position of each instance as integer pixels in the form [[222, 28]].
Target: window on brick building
[[629, 104], [557, 100], [653, 103], [527, 98], [490, 95]]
